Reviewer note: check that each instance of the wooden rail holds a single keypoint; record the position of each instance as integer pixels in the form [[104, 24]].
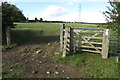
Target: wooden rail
[[91, 42], [92, 37], [87, 28], [84, 31], [90, 47], [90, 51]]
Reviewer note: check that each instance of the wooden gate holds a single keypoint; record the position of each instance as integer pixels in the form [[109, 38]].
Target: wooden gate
[[84, 39]]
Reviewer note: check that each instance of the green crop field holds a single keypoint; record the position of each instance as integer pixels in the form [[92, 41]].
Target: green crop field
[[92, 64]]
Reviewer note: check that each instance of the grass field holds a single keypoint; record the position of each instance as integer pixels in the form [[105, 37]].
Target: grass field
[[92, 64], [32, 31]]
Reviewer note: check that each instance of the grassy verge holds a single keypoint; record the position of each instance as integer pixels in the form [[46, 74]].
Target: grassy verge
[[92, 64]]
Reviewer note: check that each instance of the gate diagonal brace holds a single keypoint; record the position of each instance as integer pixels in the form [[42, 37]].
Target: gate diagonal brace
[[91, 44], [93, 36]]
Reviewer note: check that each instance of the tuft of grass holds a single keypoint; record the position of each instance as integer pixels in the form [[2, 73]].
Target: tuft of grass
[[92, 64], [4, 47], [13, 71]]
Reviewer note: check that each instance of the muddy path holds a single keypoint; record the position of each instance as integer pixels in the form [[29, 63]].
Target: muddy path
[[36, 61]]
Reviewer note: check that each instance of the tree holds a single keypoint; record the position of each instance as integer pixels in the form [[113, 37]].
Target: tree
[[10, 13], [41, 19], [113, 15], [36, 19]]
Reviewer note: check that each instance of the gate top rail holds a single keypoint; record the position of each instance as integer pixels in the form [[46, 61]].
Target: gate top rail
[[85, 28]]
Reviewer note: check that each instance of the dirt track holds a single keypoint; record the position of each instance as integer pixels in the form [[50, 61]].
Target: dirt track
[[36, 61]]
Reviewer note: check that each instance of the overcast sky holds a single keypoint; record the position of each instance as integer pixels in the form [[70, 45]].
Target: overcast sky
[[63, 10]]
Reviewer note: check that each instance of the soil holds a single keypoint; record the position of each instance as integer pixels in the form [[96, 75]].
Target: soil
[[36, 61]]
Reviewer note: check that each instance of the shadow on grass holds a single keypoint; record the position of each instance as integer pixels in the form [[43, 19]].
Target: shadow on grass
[[21, 37], [80, 52]]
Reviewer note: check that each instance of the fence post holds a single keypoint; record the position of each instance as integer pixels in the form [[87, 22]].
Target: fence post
[[61, 36], [66, 40], [8, 35], [105, 43], [71, 39]]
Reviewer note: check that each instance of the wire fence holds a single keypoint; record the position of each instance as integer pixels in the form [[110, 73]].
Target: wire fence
[[114, 43]]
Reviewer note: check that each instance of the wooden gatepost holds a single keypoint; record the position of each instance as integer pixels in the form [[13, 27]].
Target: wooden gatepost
[[105, 43], [72, 40], [66, 43]]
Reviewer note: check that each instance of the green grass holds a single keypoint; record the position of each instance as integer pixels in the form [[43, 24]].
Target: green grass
[[47, 28], [13, 71], [81, 25], [92, 64], [7, 46], [30, 32]]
